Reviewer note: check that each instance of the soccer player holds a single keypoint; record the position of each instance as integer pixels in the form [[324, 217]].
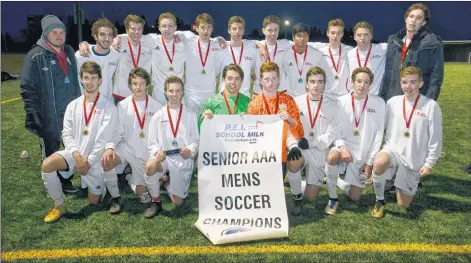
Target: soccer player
[[89, 122], [367, 54], [335, 60], [173, 145], [230, 101], [413, 141], [415, 45], [103, 31], [299, 59], [320, 118], [241, 52], [129, 144], [269, 102], [362, 122]]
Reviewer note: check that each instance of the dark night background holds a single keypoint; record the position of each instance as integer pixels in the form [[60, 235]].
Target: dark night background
[[450, 20]]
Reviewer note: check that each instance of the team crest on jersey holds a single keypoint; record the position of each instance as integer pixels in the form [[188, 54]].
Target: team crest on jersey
[[214, 49], [247, 58], [98, 111], [371, 110], [308, 63]]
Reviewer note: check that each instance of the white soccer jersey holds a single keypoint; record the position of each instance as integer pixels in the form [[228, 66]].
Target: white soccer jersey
[[108, 63], [276, 53], [121, 87], [376, 63], [424, 146], [296, 81], [161, 66], [129, 130], [249, 60], [161, 135], [335, 88], [364, 147], [100, 128]]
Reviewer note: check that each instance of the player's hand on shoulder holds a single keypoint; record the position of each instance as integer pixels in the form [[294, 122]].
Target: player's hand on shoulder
[[294, 154], [303, 144], [84, 49]]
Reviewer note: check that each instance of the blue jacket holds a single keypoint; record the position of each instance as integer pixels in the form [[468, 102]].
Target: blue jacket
[[44, 91], [425, 52]]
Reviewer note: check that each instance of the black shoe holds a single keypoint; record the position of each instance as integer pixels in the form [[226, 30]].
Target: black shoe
[[297, 205], [115, 205], [68, 187]]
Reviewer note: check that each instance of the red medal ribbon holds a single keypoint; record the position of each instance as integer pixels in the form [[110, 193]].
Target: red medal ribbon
[[296, 59], [207, 53], [332, 58], [166, 51], [408, 121], [367, 57], [62, 60], [240, 56], [86, 116], [141, 122], [313, 122], [134, 62], [404, 50], [174, 129], [354, 113], [227, 103], [274, 53], [268, 107]]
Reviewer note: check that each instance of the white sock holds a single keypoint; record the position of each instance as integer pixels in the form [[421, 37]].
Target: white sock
[[303, 186], [379, 183], [53, 187], [344, 186], [331, 183], [153, 186], [111, 182], [295, 182]]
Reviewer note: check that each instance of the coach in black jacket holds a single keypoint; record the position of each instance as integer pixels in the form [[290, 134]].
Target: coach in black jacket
[[423, 49], [48, 83]]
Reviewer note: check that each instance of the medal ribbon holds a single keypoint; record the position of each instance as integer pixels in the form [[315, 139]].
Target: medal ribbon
[[332, 58], [174, 129], [405, 48], [408, 121], [274, 53], [86, 116], [134, 62], [296, 59], [62, 60], [166, 50], [207, 53], [227, 103], [367, 57], [141, 122], [240, 56], [361, 114], [313, 122], [268, 107]]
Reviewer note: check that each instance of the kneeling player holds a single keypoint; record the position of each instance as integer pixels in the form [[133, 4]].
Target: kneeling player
[[173, 144], [88, 124], [129, 145], [413, 141], [362, 122], [320, 119], [270, 101]]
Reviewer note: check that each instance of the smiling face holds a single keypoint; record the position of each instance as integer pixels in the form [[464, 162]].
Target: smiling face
[[134, 31], [91, 82], [174, 93], [233, 82], [271, 32], [104, 37], [411, 84]]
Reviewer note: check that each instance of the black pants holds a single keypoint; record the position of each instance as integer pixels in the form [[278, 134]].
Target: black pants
[[48, 147]]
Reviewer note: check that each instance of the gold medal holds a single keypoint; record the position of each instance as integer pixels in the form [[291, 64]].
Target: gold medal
[[407, 134], [142, 135], [171, 68], [311, 133], [203, 71], [356, 132], [85, 132], [337, 78]]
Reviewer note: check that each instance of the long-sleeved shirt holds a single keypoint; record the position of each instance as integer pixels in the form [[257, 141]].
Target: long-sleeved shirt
[[257, 107], [424, 146], [100, 128]]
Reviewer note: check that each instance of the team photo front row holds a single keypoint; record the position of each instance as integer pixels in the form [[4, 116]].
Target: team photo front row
[[392, 144]]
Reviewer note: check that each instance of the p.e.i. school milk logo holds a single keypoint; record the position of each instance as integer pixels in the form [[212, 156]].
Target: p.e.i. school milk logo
[[241, 132]]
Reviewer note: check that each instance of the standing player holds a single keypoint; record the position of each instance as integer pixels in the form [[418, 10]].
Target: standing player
[[366, 54], [299, 59], [173, 144], [413, 141], [230, 101], [240, 52], [103, 31], [362, 122], [320, 118], [269, 102], [89, 122], [129, 144]]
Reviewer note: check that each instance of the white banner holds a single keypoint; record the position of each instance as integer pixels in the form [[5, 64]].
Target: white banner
[[240, 185]]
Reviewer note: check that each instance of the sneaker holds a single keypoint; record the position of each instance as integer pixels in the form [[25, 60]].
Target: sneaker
[[331, 207], [115, 205], [378, 210], [297, 205], [153, 209], [68, 187], [55, 214]]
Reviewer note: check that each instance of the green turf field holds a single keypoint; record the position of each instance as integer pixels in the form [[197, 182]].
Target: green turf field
[[439, 216]]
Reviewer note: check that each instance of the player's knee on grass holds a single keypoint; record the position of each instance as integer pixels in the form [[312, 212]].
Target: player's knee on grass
[[295, 165], [403, 200], [93, 199], [311, 192], [355, 193], [333, 157], [381, 163]]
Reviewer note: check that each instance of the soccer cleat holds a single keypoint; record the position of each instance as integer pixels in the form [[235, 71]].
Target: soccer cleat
[[297, 205], [153, 209], [331, 207], [55, 214], [115, 205], [378, 210]]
